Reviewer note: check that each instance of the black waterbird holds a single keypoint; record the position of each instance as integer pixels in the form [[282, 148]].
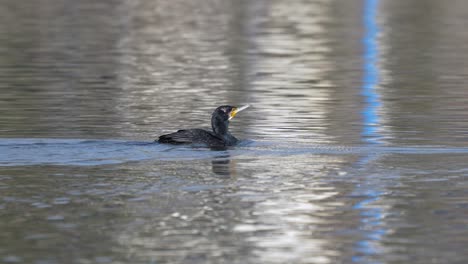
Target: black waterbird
[[220, 137]]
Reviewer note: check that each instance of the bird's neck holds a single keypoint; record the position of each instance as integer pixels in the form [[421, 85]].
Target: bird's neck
[[219, 126]]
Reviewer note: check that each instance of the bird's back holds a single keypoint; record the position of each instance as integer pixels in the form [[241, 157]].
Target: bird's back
[[192, 136]]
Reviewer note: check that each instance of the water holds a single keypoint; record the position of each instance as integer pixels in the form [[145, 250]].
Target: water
[[354, 150]]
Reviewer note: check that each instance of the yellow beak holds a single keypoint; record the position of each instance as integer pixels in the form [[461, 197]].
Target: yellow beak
[[236, 110]]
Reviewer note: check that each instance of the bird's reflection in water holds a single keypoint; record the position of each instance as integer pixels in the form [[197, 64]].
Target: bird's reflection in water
[[222, 165]]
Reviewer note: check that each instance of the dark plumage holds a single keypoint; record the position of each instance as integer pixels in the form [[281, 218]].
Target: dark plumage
[[220, 137]]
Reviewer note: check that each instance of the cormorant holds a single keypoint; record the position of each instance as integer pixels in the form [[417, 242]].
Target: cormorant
[[220, 137]]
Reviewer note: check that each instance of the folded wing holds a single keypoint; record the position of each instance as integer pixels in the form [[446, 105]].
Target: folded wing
[[191, 136]]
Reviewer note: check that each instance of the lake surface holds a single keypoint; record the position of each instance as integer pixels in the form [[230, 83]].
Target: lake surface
[[355, 149]]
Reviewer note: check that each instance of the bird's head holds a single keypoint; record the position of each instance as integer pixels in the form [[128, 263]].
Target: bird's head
[[222, 115], [227, 112]]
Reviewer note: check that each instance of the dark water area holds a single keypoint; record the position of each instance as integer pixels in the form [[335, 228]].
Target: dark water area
[[355, 148]]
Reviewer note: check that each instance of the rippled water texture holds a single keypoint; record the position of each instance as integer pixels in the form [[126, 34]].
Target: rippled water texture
[[355, 149]]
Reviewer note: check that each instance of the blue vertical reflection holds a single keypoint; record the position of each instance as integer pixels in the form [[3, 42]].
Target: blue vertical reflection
[[371, 216], [371, 75]]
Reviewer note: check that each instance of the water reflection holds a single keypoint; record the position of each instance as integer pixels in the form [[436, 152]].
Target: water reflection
[[271, 215], [371, 77], [290, 67], [372, 216], [223, 165]]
